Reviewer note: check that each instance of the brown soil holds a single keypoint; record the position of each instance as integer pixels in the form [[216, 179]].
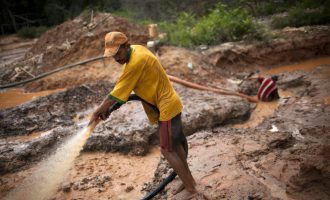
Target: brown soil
[[13, 48], [282, 156], [279, 151], [126, 176]]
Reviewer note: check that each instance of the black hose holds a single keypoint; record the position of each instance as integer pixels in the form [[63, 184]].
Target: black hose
[[49, 73], [170, 178], [160, 187]]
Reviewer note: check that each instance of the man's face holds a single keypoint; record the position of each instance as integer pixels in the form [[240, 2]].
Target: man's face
[[122, 55]]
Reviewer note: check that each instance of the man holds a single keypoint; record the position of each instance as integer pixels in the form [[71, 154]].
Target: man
[[268, 88], [144, 75]]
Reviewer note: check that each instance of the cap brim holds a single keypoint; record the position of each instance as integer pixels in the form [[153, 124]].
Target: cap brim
[[109, 52]]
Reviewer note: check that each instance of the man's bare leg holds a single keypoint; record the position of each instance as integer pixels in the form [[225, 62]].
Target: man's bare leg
[[181, 169], [179, 189], [183, 156]]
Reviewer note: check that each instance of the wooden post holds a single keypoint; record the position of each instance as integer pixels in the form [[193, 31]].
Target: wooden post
[[92, 16]]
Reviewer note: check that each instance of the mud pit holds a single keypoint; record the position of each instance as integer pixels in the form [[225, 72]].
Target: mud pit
[[283, 156], [237, 150]]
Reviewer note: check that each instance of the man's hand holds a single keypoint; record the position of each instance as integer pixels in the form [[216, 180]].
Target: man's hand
[[102, 112]]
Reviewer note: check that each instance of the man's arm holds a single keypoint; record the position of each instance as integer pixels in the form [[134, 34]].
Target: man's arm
[[102, 111]]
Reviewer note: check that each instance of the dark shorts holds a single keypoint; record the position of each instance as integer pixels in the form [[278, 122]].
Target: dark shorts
[[171, 134]]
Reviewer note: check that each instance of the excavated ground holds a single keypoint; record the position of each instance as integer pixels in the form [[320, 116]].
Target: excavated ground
[[284, 157], [237, 150]]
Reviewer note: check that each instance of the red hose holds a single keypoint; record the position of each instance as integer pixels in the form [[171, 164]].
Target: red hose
[[216, 90]]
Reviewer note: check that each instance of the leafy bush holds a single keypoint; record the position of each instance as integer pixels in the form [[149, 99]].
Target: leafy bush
[[129, 16], [179, 32], [267, 8], [306, 12], [220, 25], [32, 32]]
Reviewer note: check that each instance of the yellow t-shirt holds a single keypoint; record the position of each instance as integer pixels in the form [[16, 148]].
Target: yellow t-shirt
[[144, 75]]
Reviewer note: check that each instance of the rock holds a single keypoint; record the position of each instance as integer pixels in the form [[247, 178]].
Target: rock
[[107, 178], [101, 190], [129, 188], [76, 186], [85, 180], [66, 187]]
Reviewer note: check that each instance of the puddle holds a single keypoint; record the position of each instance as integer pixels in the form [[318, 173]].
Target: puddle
[[306, 66], [266, 109], [43, 182], [263, 110], [14, 97]]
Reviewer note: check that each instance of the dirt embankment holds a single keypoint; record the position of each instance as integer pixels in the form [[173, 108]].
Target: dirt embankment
[[70, 42], [210, 67], [48, 112], [17, 155], [285, 157], [291, 45]]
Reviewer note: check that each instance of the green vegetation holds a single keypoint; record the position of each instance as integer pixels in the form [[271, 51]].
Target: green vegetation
[[32, 32], [130, 17], [304, 13], [187, 23], [265, 7], [221, 24]]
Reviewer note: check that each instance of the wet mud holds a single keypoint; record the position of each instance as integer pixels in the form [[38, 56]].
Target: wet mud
[[283, 157], [17, 154], [201, 110], [237, 150], [45, 113]]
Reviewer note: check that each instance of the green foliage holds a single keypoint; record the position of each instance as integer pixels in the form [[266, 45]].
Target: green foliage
[[179, 32], [131, 18], [56, 12], [267, 8], [32, 32], [220, 25], [304, 13]]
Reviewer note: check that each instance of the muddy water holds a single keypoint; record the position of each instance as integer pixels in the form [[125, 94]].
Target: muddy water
[[262, 111], [14, 97], [327, 100], [42, 183], [266, 109], [306, 66]]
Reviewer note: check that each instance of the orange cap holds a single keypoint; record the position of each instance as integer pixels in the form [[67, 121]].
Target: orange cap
[[113, 40]]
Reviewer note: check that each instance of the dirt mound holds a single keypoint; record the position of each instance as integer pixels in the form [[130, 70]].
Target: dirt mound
[[292, 45], [81, 38], [74, 40], [188, 64]]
